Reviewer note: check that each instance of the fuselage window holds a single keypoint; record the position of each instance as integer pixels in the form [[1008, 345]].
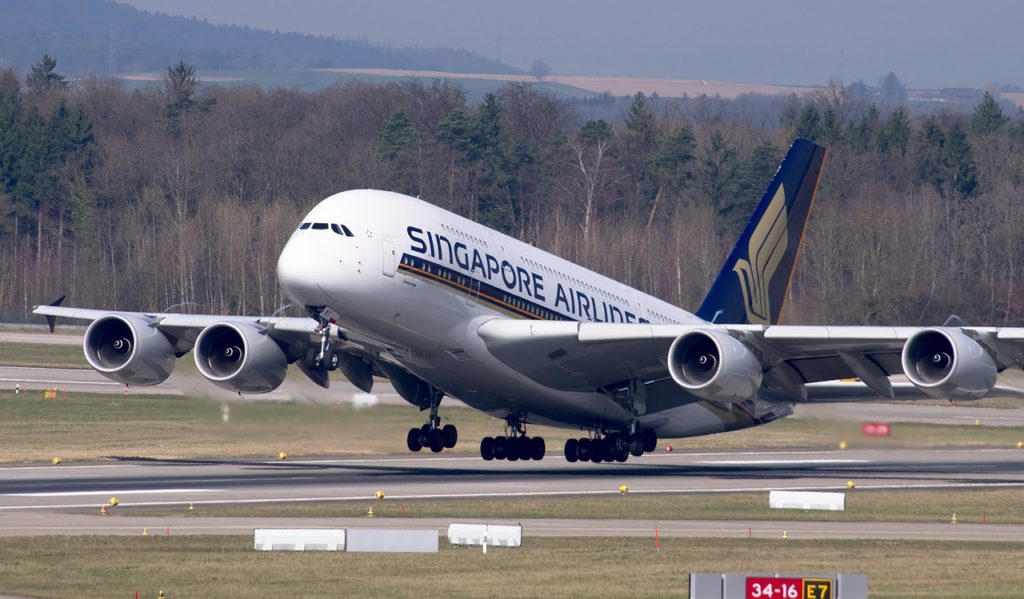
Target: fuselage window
[[319, 226], [304, 226]]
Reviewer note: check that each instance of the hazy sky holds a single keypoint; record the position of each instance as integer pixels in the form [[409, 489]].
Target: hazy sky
[[928, 43]]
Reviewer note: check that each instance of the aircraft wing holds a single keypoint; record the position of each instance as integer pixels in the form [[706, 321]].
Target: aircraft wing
[[295, 336], [587, 356]]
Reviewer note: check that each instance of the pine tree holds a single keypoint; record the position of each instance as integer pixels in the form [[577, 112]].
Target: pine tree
[[988, 115], [808, 124], [42, 80], [895, 133]]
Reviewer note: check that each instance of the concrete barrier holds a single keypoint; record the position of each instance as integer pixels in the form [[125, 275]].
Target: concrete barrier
[[805, 500], [299, 539], [476, 534], [391, 540]]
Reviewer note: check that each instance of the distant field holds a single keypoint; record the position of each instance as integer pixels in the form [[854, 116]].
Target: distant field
[[227, 566], [616, 86]]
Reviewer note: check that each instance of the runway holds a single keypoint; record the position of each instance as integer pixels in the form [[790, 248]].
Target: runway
[[36, 499]]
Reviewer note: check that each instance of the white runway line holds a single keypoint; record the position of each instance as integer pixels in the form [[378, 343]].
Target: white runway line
[[775, 462], [113, 493]]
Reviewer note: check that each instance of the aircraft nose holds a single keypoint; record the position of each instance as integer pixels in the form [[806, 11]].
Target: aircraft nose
[[300, 273]]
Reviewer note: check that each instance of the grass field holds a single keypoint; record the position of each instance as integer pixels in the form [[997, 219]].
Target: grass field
[[36, 354], [999, 506], [202, 566], [90, 426]]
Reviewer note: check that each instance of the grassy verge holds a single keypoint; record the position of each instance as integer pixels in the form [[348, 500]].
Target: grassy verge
[[90, 426], [201, 566], [36, 354], [1000, 506]]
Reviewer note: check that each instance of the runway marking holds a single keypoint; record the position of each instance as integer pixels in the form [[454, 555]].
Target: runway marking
[[775, 462], [126, 492], [65, 467], [526, 494]]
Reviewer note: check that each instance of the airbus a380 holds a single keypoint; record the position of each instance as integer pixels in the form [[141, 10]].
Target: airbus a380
[[443, 306]]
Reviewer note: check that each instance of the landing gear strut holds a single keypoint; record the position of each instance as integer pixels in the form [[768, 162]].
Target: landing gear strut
[[612, 446], [515, 445], [432, 435], [325, 359]]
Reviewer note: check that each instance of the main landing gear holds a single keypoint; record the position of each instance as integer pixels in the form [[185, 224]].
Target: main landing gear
[[611, 447], [516, 445], [432, 435]]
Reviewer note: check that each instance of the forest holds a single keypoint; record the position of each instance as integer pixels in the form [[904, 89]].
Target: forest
[[183, 192]]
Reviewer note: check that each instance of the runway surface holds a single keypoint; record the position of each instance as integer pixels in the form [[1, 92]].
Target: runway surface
[[36, 499]]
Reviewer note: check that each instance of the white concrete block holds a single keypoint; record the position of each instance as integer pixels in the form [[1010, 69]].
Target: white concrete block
[[476, 534], [299, 539], [806, 500]]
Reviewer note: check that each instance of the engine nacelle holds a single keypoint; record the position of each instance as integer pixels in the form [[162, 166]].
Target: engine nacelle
[[947, 364], [714, 366], [129, 350], [240, 357]]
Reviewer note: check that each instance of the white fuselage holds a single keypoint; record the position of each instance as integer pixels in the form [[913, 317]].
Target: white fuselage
[[419, 281]]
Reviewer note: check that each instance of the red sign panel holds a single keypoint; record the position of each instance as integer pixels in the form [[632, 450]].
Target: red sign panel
[[788, 588]]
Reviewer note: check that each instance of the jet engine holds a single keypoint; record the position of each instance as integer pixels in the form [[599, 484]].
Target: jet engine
[[129, 350], [947, 364], [714, 366], [240, 357]]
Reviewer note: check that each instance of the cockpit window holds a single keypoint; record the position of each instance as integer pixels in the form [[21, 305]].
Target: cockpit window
[[304, 226], [348, 232], [336, 228], [319, 226]]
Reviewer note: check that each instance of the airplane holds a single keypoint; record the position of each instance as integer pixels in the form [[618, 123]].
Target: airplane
[[396, 287]]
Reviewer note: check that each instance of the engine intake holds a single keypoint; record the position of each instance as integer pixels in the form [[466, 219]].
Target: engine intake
[[947, 364], [240, 357], [128, 349], [714, 366]]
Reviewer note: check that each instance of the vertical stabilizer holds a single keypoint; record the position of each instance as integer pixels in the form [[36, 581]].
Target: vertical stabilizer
[[752, 285]]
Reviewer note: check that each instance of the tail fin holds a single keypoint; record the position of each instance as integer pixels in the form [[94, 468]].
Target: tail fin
[[752, 285]]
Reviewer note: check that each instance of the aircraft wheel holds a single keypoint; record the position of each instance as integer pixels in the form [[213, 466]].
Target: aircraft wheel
[[538, 448], [413, 440], [597, 451], [585, 449], [450, 434], [650, 439], [514, 449], [487, 448], [436, 441], [621, 456], [500, 448], [571, 448], [636, 446]]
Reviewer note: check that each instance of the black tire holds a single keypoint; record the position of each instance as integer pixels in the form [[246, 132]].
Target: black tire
[[585, 449], [500, 448], [451, 435], [538, 448], [636, 446], [571, 450], [412, 440], [436, 441], [650, 439], [597, 451], [487, 448], [514, 452], [621, 456]]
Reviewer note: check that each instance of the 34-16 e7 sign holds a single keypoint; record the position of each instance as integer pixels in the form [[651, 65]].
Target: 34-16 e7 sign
[[761, 587]]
